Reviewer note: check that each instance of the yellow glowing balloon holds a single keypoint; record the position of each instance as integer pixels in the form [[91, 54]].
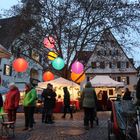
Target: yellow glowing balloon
[[52, 55], [78, 78]]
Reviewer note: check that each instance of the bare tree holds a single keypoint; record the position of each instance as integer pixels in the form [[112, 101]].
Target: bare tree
[[76, 26]]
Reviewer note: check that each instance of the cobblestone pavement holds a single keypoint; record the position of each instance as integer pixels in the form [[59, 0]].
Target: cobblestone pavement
[[62, 129]]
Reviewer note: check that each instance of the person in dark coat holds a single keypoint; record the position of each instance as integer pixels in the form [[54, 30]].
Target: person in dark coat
[[49, 99], [1, 102], [67, 103], [138, 92], [127, 95]]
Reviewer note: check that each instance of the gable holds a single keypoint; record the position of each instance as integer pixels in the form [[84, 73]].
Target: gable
[[108, 52]]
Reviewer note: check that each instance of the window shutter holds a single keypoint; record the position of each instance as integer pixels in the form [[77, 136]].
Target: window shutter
[[118, 64], [98, 53], [128, 80], [119, 79], [102, 65], [88, 78], [110, 65], [127, 64], [4, 69], [10, 71], [93, 65]]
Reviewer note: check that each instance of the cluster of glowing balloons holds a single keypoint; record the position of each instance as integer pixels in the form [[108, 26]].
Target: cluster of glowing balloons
[[20, 65], [57, 62]]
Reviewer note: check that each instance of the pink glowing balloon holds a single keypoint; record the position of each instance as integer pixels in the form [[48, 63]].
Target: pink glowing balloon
[[49, 42], [77, 67]]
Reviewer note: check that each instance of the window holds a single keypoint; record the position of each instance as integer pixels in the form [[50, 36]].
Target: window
[[7, 70], [122, 65], [35, 56], [93, 65], [110, 91], [125, 80], [102, 65], [98, 53]]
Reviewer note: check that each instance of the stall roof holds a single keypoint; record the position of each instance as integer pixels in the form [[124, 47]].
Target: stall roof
[[59, 82], [105, 81]]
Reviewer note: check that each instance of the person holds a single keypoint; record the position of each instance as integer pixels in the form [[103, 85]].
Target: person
[[127, 95], [12, 102], [1, 103], [67, 103], [29, 103], [104, 100], [89, 101], [138, 93], [49, 99]]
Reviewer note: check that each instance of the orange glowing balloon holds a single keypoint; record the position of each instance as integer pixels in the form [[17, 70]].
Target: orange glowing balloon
[[47, 76], [20, 65], [78, 78]]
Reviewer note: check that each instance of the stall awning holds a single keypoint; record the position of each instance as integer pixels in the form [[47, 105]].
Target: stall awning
[[59, 82], [105, 81]]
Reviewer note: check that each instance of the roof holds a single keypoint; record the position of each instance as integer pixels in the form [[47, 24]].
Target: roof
[[59, 82], [105, 81], [84, 56], [4, 53]]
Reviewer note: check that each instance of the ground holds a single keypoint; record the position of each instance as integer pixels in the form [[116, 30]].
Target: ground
[[62, 129]]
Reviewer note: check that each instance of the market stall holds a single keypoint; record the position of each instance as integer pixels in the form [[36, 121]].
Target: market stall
[[106, 84], [58, 85], [106, 90]]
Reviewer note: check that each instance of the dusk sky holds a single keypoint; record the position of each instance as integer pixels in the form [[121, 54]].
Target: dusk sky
[[6, 4]]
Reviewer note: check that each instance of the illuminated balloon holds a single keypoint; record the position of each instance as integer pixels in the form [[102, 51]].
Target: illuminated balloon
[[47, 76], [77, 67], [52, 55], [20, 65], [49, 42], [78, 78], [58, 63]]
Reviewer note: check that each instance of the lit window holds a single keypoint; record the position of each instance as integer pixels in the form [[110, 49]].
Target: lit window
[[35, 56], [7, 70]]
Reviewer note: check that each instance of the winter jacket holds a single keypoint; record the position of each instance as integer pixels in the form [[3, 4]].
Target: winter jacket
[[49, 98], [66, 98], [12, 99], [89, 98], [30, 98], [1, 101], [127, 96]]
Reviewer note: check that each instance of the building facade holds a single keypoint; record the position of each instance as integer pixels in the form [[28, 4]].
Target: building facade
[[108, 58]]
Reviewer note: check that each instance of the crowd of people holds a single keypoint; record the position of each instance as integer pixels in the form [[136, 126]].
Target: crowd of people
[[88, 99]]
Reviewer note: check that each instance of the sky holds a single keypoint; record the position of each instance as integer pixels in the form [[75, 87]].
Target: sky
[[6, 4]]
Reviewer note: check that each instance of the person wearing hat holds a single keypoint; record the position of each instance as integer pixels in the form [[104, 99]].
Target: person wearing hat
[[49, 100], [12, 102]]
